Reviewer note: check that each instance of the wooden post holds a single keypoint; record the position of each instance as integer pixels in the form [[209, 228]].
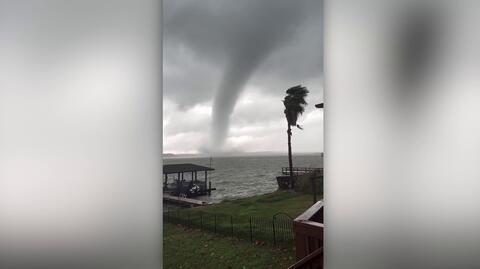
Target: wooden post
[[206, 176], [301, 242], [178, 185], [181, 185], [209, 188]]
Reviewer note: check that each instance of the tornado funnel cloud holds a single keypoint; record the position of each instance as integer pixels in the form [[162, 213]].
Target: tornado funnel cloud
[[268, 29], [224, 104], [233, 82]]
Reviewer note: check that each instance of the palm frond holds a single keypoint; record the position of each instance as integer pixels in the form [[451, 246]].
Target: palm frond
[[295, 103]]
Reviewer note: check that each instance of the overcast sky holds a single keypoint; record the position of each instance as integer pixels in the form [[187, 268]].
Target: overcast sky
[[227, 65]]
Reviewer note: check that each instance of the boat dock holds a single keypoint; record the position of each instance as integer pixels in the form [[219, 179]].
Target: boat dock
[[186, 182], [183, 201]]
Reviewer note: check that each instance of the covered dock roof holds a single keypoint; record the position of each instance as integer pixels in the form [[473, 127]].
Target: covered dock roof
[[184, 167]]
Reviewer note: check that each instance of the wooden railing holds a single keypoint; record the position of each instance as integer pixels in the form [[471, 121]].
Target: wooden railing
[[301, 170], [310, 260], [308, 229]]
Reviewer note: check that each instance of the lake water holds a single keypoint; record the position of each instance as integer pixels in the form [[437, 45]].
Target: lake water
[[243, 176]]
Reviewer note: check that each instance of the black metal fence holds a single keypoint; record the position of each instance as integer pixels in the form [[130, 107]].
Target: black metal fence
[[276, 230]]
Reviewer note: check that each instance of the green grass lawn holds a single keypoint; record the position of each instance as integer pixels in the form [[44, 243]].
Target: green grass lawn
[[266, 205], [188, 248]]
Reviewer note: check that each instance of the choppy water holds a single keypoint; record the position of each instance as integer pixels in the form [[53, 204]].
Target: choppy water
[[243, 176]]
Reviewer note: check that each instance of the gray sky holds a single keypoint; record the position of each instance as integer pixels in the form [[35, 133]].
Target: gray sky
[[227, 65]]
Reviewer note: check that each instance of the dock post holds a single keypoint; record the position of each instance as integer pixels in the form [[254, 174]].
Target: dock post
[[178, 185], [209, 188], [206, 178]]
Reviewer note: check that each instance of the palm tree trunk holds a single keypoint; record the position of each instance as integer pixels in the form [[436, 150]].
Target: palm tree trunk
[[290, 163]]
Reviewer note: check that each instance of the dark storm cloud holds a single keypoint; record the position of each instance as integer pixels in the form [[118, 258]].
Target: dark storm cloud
[[226, 44]]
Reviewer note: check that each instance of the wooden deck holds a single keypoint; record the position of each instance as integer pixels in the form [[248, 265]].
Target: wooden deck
[[183, 201], [301, 170], [308, 229]]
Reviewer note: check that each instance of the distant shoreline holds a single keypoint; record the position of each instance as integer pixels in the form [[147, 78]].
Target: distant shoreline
[[243, 154]]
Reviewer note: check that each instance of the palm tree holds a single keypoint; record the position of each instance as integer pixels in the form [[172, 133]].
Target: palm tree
[[294, 106]]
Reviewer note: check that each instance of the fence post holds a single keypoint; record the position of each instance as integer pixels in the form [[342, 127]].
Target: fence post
[[274, 236], [215, 227], [231, 224], [251, 232]]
